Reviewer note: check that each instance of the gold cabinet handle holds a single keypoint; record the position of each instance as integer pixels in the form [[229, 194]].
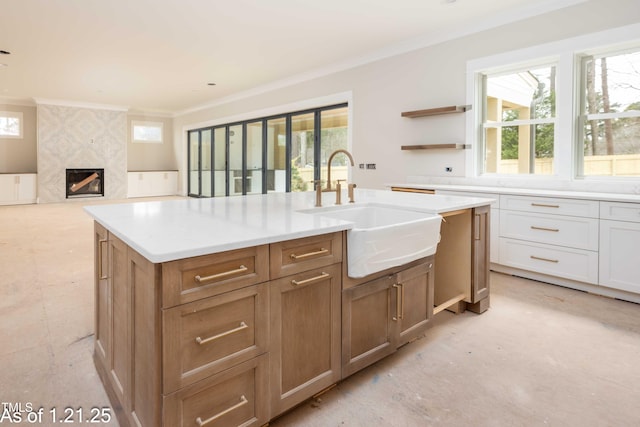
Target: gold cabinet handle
[[200, 279], [101, 274], [313, 279], [543, 259], [322, 251], [243, 401], [220, 335], [555, 230], [399, 301], [543, 205]]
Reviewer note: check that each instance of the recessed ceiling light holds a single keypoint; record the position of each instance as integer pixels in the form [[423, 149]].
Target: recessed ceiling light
[[211, 84], [4, 65], [4, 52]]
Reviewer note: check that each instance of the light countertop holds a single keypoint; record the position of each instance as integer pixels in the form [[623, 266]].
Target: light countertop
[[608, 197], [168, 230]]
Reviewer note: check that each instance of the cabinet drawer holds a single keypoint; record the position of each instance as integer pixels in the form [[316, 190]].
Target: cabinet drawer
[[575, 264], [234, 397], [620, 211], [549, 205], [295, 256], [573, 232], [207, 336], [191, 279]]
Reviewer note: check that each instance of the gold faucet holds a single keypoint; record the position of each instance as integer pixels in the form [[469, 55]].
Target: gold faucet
[[338, 186], [329, 165]]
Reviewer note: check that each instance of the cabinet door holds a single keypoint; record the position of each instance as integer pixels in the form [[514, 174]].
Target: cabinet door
[[415, 300], [305, 335], [369, 323], [102, 295], [619, 255], [480, 259]]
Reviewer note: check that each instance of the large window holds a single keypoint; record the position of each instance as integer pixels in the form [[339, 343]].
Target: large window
[[146, 132], [568, 110], [519, 119], [10, 124], [282, 153], [610, 115]]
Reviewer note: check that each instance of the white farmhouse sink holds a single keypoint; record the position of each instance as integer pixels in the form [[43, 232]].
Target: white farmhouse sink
[[385, 237]]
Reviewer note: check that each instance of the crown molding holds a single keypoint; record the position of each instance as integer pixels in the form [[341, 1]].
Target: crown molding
[[76, 104]]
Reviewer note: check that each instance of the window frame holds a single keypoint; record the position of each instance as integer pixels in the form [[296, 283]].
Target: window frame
[[14, 115], [149, 124], [568, 53]]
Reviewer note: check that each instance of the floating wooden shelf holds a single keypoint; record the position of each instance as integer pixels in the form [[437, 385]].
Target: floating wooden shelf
[[436, 111], [436, 146]]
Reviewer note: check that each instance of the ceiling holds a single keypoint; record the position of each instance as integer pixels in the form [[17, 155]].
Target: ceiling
[[159, 55]]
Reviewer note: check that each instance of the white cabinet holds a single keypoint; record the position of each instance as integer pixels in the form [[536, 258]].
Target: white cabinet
[[152, 183], [17, 188], [552, 236], [620, 246]]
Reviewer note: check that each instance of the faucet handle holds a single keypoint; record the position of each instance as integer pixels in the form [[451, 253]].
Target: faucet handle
[[350, 192]]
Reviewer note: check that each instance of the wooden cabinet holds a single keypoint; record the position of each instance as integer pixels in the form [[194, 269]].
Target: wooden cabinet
[[619, 246], [480, 256], [167, 344], [305, 335], [382, 314]]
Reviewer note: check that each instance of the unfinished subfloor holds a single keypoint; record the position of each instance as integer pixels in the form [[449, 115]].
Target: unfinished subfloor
[[542, 355]]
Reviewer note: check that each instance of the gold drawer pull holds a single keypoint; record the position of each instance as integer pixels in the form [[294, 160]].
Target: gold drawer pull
[[101, 274], [223, 334], [399, 301], [533, 227], [322, 251], [243, 401], [200, 279], [313, 279], [543, 259], [542, 205]]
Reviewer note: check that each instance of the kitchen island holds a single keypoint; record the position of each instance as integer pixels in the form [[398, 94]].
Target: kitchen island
[[230, 311]]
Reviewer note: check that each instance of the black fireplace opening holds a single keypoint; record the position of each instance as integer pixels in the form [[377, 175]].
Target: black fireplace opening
[[85, 183]]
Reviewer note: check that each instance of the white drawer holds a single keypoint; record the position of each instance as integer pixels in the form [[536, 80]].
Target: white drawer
[[620, 211], [494, 205], [550, 205], [569, 231], [574, 264]]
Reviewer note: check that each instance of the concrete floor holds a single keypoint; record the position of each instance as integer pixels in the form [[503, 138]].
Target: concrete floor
[[542, 355]]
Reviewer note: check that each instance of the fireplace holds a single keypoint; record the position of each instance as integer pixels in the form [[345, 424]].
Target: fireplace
[[85, 183]]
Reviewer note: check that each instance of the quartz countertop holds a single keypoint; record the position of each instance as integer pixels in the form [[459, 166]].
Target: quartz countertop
[[608, 197], [169, 230]]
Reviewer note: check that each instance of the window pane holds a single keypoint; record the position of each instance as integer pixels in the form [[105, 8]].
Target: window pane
[[302, 158], [526, 149], [147, 132], [254, 158], [333, 136], [612, 147], [276, 155], [235, 160], [220, 161], [611, 144], [9, 126], [194, 162], [205, 163]]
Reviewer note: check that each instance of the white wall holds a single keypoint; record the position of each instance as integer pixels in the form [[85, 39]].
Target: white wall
[[18, 155], [150, 157], [429, 77]]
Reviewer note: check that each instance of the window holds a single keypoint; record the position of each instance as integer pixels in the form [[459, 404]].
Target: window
[[519, 121], [146, 132], [281, 153], [10, 124], [609, 135]]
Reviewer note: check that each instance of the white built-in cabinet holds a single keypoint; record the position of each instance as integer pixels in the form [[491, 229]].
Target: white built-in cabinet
[[17, 189], [152, 183], [590, 244], [620, 245]]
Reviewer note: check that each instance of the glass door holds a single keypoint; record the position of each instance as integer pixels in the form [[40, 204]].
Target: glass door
[[220, 162], [235, 171], [277, 155], [253, 178], [302, 151], [194, 164], [200, 182]]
